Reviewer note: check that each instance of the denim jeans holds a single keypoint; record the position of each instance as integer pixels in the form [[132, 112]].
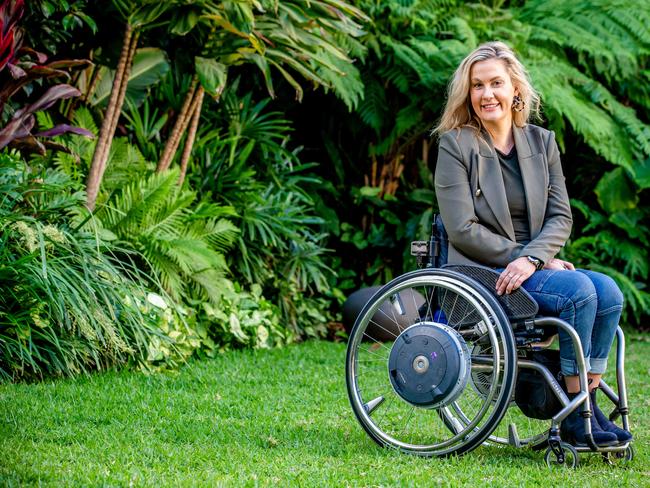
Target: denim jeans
[[589, 301]]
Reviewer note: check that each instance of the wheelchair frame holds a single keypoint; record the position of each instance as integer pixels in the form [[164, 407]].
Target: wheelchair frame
[[468, 415]]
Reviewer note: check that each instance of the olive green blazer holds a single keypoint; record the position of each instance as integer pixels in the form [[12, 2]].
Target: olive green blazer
[[472, 197]]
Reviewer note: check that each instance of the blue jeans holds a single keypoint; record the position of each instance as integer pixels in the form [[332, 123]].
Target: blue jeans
[[589, 301]]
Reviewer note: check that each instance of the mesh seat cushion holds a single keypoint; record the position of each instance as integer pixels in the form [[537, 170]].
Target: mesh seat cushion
[[518, 305]]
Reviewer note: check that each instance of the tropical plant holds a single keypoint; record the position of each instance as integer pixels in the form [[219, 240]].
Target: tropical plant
[[297, 35], [150, 65], [310, 38], [244, 162], [28, 70], [245, 319], [137, 20], [10, 13], [605, 248], [181, 242], [66, 306], [53, 25]]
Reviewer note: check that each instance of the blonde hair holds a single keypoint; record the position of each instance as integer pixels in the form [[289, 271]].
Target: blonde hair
[[458, 110]]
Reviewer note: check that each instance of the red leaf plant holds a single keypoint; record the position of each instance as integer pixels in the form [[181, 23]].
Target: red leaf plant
[[26, 65]]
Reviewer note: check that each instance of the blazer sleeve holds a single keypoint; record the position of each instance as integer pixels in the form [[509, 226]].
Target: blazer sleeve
[[557, 219], [456, 204]]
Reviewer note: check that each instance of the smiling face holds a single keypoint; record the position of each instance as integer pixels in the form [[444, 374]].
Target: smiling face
[[491, 93]]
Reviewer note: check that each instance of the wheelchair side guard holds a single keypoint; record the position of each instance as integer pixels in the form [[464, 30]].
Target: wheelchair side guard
[[518, 305]]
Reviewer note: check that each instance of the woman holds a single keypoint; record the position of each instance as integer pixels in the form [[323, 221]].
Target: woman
[[504, 203]]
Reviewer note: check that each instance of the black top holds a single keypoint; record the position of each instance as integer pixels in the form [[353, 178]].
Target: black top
[[515, 194]]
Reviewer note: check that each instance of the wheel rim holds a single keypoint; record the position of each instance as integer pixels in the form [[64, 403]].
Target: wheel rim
[[459, 423]]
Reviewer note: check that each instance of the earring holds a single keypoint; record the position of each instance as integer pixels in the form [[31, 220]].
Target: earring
[[518, 104]]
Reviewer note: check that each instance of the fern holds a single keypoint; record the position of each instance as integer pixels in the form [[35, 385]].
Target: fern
[[636, 299], [153, 216], [373, 108]]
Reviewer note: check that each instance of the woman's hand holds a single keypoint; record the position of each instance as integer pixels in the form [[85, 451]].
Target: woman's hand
[[514, 275], [559, 264]]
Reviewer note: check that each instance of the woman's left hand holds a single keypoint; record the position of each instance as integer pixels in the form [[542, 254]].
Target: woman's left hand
[[514, 275], [559, 264]]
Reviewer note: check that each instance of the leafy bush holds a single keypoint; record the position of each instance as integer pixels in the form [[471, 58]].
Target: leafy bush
[[182, 243], [243, 161], [245, 319], [65, 305]]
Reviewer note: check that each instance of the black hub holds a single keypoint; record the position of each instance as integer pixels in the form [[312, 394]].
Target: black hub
[[429, 365]]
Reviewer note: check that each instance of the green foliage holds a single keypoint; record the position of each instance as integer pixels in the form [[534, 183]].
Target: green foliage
[[617, 246], [150, 65], [51, 24], [311, 39], [66, 306], [182, 243], [243, 162], [245, 319]]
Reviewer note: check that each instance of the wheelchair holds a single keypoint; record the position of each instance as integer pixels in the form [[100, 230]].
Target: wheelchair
[[437, 364]]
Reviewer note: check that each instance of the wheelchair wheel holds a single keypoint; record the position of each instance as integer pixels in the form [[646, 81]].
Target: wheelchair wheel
[[619, 457], [565, 457], [444, 382]]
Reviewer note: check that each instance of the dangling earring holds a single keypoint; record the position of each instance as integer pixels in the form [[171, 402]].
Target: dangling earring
[[518, 104]]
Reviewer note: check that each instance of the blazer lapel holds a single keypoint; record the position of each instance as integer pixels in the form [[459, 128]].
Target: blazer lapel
[[491, 183], [531, 164]]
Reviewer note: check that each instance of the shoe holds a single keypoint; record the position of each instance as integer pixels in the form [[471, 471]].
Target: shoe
[[572, 430], [607, 425]]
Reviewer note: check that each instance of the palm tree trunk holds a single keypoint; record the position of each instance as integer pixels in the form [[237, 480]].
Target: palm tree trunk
[[180, 126], [97, 165], [120, 98], [191, 135]]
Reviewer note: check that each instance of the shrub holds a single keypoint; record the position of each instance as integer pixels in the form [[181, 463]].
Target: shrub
[[65, 305]]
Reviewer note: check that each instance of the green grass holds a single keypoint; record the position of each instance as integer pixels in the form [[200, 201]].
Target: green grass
[[276, 417]]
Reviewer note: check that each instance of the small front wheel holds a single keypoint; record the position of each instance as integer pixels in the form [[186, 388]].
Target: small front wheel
[[623, 457], [565, 456]]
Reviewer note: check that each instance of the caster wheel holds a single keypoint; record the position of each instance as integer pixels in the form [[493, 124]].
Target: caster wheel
[[566, 458], [619, 457]]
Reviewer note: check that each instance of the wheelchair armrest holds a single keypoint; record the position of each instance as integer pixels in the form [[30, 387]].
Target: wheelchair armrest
[[519, 305]]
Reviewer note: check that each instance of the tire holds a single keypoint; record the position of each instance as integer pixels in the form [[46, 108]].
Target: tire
[[450, 415]]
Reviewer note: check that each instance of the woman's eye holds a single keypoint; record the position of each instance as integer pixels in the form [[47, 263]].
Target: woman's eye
[[498, 83], [477, 85]]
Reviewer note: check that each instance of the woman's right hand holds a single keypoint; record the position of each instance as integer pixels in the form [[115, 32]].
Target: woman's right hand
[[560, 264]]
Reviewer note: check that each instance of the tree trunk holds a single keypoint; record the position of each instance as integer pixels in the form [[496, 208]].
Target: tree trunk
[[191, 135], [97, 166], [120, 99], [180, 126]]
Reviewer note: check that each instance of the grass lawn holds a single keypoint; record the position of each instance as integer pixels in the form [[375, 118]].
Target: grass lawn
[[256, 418]]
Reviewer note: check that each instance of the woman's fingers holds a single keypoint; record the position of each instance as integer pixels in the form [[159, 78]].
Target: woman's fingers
[[514, 275], [508, 281], [503, 281], [515, 283]]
